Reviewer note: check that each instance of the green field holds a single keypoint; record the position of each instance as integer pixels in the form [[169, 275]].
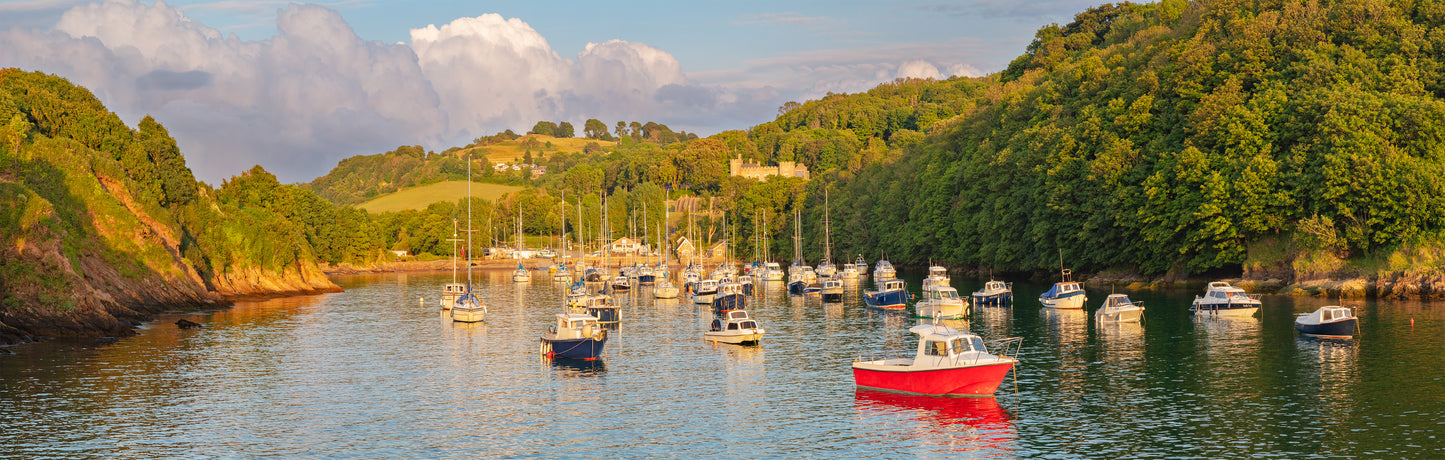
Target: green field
[[511, 150], [421, 197]]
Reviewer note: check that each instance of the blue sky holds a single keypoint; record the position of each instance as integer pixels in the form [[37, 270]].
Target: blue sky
[[296, 87]]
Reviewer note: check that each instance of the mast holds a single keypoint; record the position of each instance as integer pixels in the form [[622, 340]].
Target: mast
[[469, 223], [827, 231], [563, 237]]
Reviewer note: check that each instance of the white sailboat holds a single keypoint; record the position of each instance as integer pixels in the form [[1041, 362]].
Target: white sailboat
[[521, 275], [664, 289], [468, 308]]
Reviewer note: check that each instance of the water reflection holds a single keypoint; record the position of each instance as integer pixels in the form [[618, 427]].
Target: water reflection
[[1068, 326], [972, 427], [574, 368]]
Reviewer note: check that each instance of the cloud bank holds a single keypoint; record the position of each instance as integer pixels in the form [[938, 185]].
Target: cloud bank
[[316, 92]]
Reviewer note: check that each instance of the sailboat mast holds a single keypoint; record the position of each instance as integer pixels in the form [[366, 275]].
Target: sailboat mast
[[469, 223]]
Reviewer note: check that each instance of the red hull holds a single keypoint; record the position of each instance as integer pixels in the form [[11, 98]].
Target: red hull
[[967, 381]]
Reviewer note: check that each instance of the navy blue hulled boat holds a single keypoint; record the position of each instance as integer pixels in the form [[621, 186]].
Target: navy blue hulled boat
[[893, 295], [729, 296], [575, 336], [1332, 322], [994, 293]]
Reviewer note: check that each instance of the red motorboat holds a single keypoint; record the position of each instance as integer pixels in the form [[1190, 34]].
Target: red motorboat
[[948, 363]]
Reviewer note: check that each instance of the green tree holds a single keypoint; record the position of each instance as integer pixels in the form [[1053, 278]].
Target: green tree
[[564, 129]]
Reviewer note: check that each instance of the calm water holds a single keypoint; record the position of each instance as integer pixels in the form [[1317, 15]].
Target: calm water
[[372, 372]]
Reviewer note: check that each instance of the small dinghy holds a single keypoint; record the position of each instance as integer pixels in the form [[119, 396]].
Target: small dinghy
[[1332, 322]]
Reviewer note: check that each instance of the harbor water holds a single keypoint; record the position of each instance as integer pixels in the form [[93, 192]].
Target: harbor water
[[380, 371]]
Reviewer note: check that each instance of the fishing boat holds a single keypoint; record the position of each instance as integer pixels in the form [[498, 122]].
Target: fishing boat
[[1222, 299], [734, 326], [704, 291], [849, 271], [521, 275], [1332, 322], [574, 336], [601, 306], [832, 290], [772, 272], [621, 282], [948, 362], [1065, 294], [729, 296], [892, 295], [883, 270], [936, 275], [746, 281], [994, 293], [1119, 309], [451, 292], [940, 301], [860, 265]]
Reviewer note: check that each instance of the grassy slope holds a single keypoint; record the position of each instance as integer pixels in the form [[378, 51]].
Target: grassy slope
[[421, 197], [510, 150]]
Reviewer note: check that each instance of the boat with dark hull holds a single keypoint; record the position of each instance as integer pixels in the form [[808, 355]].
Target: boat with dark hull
[[1332, 322], [893, 295], [575, 336], [996, 293]]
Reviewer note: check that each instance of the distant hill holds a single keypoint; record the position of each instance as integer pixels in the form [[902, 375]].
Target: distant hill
[[423, 196], [362, 178]]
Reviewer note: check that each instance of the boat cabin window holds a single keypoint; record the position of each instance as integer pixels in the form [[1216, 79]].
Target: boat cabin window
[[978, 345], [933, 348], [732, 326], [960, 345], [738, 314], [1328, 315], [749, 325]]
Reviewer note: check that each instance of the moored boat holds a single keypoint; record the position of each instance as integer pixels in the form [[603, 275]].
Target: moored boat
[[521, 275], [704, 291], [469, 309], [1066, 294], [1332, 322], [832, 289], [600, 306], [948, 362], [1118, 308], [883, 270], [621, 282], [936, 275], [1222, 299], [450, 293], [892, 295], [729, 296], [664, 289], [940, 301], [574, 336], [996, 293], [734, 326], [772, 272]]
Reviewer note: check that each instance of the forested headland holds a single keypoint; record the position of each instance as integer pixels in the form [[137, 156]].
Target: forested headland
[[103, 225]]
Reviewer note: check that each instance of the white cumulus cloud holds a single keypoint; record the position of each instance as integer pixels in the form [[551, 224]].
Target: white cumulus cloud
[[316, 92]]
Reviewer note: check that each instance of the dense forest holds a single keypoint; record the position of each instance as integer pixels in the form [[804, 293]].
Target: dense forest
[[102, 224], [1174, 137], [1178, 137]]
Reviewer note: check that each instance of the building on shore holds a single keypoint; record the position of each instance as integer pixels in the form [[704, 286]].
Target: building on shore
[[736, 167], [685, 249]]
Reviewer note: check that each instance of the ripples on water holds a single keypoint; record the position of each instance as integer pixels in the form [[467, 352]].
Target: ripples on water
[[372, 372]]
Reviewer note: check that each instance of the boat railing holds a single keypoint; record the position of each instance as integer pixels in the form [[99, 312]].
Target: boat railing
[[1005, 347]]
